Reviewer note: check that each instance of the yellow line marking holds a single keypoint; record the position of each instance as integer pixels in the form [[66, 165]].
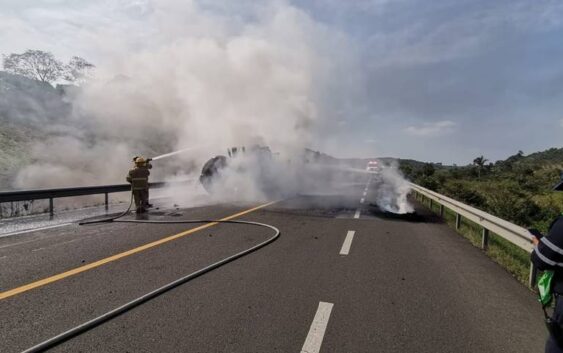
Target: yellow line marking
[[58, 277]]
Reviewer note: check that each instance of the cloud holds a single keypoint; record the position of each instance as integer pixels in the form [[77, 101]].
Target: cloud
[[432, 129], [561, 122], [467, 31]]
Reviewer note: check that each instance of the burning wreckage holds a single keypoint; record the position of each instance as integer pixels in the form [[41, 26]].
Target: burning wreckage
[[255, 169], [258, 172]]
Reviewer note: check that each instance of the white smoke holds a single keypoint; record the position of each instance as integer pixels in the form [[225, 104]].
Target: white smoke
[[187, 77], [182, 76], [392, 190]]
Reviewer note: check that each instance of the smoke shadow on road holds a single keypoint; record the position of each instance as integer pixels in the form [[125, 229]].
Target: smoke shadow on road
[[413, 217], [324, 206]]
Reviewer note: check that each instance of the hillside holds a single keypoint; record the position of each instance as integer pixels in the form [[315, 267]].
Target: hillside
[[27, 109], [518, 189], [29, 102], [14, 144]]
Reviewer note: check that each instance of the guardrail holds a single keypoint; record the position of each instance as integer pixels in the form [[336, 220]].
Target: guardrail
[[515, 234], [51, 194]]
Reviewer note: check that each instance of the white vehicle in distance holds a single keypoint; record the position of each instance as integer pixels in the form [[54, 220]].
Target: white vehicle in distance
[[373, 166]]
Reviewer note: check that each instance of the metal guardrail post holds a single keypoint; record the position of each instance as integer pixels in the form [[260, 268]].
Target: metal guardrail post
[[441, 210], [51, 208], [485, 239], [430, 204], [457, 221], [533, 275], [107, 200]]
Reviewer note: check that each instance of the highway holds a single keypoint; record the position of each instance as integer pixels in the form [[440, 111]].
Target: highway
[[342, 277]]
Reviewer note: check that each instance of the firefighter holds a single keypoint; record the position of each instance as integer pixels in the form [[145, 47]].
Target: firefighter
[[146, 165], [548, 256], [138, 177]]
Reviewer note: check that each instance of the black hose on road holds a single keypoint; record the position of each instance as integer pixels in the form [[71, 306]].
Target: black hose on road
[[75, 331], [110, 219]]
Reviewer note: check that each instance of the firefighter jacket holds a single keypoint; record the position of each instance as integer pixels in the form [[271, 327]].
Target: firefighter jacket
[[139, 178]]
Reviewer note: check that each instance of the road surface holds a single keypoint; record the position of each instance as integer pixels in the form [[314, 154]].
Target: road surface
[[343, 277]]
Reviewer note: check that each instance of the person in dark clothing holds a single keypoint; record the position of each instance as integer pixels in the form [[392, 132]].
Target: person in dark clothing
[[548, 255]]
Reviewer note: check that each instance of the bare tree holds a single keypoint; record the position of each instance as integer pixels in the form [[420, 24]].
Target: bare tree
[[35, 64], [77, 69]]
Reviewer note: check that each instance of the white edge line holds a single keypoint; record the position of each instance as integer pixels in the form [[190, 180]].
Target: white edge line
[[347, 243], [34, 230], [318, 327]]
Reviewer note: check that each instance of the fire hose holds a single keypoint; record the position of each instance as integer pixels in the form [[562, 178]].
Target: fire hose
[[113, 218], [86, 326]]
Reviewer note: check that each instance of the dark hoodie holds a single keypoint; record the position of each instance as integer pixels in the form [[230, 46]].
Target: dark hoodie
[[548, 254]]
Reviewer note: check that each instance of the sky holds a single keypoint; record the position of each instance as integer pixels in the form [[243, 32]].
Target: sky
[[442, 81]]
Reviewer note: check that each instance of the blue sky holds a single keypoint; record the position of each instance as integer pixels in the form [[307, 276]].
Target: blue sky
[[441, 81]]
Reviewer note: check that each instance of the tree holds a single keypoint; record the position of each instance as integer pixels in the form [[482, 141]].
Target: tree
[[36, 65], [428, 169], [406, 170], [77, 69], [480, 163]]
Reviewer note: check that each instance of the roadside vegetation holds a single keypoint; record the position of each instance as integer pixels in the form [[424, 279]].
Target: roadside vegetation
[[518, 189]]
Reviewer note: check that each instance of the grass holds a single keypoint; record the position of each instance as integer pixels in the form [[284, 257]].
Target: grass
[[514, 259]]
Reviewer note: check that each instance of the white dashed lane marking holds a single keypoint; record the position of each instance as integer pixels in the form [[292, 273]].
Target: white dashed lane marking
[[318, 328], [357, 214], [347, 243]]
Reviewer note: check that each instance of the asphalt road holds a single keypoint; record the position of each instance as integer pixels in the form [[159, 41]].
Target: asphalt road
[[406, 284]]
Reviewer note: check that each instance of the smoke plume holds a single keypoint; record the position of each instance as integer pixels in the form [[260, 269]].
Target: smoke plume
[[183, 76], [193, 79], [392, 190]]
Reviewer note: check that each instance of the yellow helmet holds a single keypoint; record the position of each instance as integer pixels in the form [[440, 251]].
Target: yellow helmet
[[139, 161]]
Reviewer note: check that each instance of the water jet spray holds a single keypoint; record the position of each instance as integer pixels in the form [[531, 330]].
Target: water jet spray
[[166, 155]]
